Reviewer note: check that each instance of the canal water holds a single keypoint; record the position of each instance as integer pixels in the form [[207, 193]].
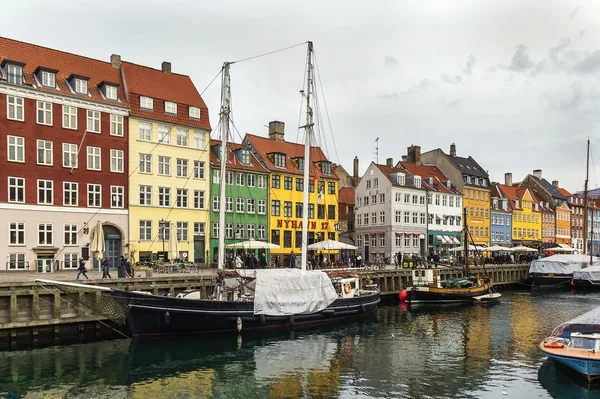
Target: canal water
[[453, 352]]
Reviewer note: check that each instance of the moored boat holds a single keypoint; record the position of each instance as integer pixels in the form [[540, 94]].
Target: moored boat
[[556, 269], [588, 277], [576, 344]]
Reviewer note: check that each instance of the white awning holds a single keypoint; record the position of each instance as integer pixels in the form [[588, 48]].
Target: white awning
[[455, 240]]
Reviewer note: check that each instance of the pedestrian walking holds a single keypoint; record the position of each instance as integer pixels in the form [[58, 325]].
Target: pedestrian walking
[[129, 268], [105, 269], [122, 271], [262, 261], [81, 269], [292, 260]]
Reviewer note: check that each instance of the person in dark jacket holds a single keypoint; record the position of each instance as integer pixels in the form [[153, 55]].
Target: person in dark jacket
[[81, 269], [262, 261], [105, 269], [129, 269], [121, 273], [292, 260]]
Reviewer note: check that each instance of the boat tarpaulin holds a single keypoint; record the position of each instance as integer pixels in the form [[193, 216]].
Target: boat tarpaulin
[[284, 292], [587, 323], [559, 264], [591, 273]]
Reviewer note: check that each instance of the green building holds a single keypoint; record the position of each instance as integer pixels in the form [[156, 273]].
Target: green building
[[246, 195]]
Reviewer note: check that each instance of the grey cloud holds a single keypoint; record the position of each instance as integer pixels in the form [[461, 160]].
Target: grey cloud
[[574, 13], [454, 80], [578, 97], [390, 61], [468, 68], [520, 61], [450, 103], [589, 64], [396, 95]]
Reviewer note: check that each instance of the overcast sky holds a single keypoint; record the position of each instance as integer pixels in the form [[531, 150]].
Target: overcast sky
[[513, 83]]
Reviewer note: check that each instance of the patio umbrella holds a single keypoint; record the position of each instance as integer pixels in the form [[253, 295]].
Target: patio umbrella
[[331, 245], [560, 249], [495, 248], [252, 244], [173, 246], [471, 248], [522, 248], [97, 242]]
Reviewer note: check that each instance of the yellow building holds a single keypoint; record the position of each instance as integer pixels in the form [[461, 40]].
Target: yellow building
[[285, 161], [168, 164], [526, 215], [477, 202]]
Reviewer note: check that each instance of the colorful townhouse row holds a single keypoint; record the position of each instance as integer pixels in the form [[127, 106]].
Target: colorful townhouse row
[[416, 206], [128, 147]]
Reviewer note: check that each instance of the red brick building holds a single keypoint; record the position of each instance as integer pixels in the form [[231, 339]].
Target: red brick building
[[64, 128]]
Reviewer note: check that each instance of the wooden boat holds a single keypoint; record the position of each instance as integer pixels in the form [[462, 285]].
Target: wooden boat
[[493, 297], [576, 344]]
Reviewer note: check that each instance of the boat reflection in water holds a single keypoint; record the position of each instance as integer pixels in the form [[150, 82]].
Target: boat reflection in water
[[562, 382]]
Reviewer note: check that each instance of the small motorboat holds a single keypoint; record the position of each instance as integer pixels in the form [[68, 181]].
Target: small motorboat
[[576, 344], [493, 297]]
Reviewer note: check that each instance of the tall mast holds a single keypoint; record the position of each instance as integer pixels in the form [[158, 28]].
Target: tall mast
[[225, 115], [307, 163], [466, 241], [585, 201]]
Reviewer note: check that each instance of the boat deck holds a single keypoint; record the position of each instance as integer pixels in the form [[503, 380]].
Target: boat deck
[[584, 354]]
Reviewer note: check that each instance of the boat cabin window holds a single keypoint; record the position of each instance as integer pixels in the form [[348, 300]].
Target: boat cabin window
[[583, 343]]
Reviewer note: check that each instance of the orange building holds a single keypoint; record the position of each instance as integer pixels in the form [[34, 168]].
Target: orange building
[[563, 224]]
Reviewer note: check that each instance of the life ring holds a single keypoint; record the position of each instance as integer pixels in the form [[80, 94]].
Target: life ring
[[553, 344], [347, 288]]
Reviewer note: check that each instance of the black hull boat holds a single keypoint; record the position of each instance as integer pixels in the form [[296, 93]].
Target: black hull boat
[[588, 277], [557, 270], [550, 280], [151, 316]]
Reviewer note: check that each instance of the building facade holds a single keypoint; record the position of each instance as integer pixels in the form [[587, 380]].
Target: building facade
[[593, 235], [169, 163], [563, 224], [501, 219], [285, 162], [346, 204], [64, 122], [474, 183], [526, 215], [576, 205], [246, 189], [391, 213]]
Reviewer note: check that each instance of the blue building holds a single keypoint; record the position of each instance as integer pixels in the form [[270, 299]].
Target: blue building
[[500, 220]]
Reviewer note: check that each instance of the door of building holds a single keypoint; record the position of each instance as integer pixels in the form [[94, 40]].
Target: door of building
[[112, 244], [199, 249], [44, 263], [366, 253]]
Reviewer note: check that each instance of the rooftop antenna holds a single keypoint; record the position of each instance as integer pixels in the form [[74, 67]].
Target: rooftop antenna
[[377, 150]]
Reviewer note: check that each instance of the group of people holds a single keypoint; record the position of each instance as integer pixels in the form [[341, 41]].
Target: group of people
[[124, 270], [248, 260]]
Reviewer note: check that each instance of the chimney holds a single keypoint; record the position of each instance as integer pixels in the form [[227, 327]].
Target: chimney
[[538, 173], [555, 183], [115, 61], [414, 154], [453, 150], [276, 130], [355, 173], [389, 162], [508, 179], [166, 67]]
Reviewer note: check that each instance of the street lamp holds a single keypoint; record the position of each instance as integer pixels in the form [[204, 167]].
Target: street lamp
[[162, 224]]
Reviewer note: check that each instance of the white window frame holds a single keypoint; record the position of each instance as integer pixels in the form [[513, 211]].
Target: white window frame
[[117, 125], [43, 113], [81, 86], [73, 189], [199, 199], [251, 205], [262, 181], [145, 163], [146, 103], [181, 198], [48, 232], [111, 92], [69, 155], [262, 232], [48, 79], [15, 106], [69, 117], [18, 186], [199, 170], [145, 230], [45, 157], [45, 186], [117, 161], [181, 137], [164, 134], [164, 165], [145, 197], [170, 107], [194, 113], [199, 140], [182, 231], [181, 167], [145, 131], [17, 143], [14, 74], [164, 196], [70, 234], [97, 195], [94, 158], [117, 197], [93, 119], [19, 233]]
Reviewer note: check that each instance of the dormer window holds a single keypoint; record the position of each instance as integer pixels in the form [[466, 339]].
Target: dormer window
[[14, 73], [170, 108], [417, 181], [469, 179], [245, 157], [401, 179], [301, 164], [48, 79], [279, 160], [326, 167], [110, 92], [146, 103], [517, 203], [81, 86], [194, 113]]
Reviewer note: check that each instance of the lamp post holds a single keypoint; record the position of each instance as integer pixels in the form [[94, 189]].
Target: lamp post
[[161, 225]]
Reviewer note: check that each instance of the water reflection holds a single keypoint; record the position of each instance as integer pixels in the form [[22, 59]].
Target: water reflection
[[437, 352]]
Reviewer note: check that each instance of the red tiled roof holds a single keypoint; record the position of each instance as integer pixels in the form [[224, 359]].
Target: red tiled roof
[[265, 146], [346, 195], [565, 192], [426, 171], [233, 147], [66, 64], [161, 86]]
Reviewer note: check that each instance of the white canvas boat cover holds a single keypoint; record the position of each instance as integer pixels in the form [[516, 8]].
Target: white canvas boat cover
[[586, 323], [284, 292], [591, 273], [559, 264]]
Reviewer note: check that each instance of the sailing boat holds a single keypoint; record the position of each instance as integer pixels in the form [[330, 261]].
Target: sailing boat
[[259, 300], [428, 288]]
